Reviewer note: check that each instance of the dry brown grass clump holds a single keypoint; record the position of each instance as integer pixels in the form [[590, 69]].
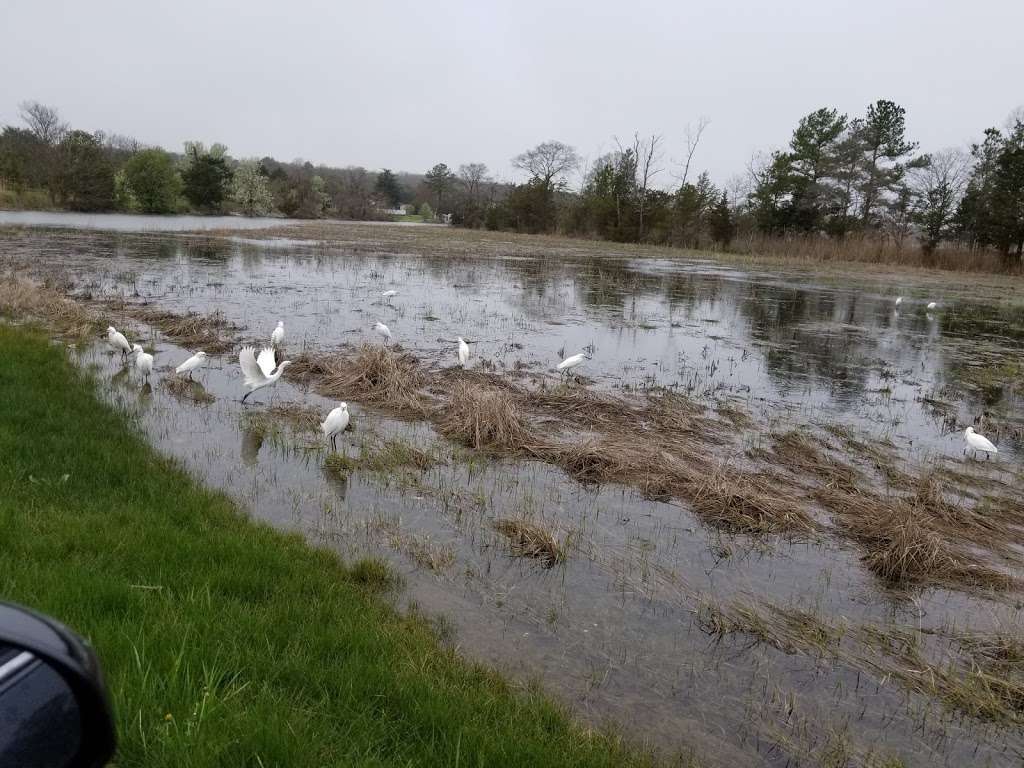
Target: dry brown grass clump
[[741, 502], [307, 365], [447, 376], [580, 407], [377, 375], [24, 299], [484, 418], [191, 330], [800, 452], [906, 544], [529, 539]]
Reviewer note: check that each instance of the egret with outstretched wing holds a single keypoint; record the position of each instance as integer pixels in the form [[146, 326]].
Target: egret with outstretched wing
[[259, 372]]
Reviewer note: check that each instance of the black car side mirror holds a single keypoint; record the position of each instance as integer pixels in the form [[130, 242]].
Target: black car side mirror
[[54, 708]]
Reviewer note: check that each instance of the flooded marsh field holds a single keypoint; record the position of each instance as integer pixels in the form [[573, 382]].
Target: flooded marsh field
[[746, 531]]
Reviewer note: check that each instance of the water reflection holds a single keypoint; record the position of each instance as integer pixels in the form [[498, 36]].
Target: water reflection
[[252, 442], [787, 340]]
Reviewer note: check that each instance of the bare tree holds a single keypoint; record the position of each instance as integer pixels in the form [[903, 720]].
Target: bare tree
[[692, 134], [648, 155], [43, 122], [937, 184], [473, 177], [548, 162]]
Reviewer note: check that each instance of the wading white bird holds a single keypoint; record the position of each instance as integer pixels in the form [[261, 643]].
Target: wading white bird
[[899, 300], [571, 362], [259, 372], [335, 423], [463, 352], [931, 305], [383, 330], [278, 335], [198, 360], [117, 342], [389, 294], [143, 360], [978, 442]]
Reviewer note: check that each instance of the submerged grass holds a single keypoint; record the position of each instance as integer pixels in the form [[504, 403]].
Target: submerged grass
[[386, 457], [974, 674], [225, 642]]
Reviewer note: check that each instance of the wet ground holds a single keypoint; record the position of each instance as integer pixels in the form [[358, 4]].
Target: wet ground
[[617, 630]]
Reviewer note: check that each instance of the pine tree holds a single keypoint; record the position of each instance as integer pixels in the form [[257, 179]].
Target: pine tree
[[723, 228]]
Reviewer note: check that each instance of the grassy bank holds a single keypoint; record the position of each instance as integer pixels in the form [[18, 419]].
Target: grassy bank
[[226, 643]]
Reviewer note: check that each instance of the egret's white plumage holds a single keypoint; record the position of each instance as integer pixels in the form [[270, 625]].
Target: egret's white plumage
[[383, 330], [143, 360], [198, 360], [117, 341], [931, 305], [571, 362], [899, 300], [259, 372], [463, 352], [389, 294], [335, 423], [978, 442], [278, 335]]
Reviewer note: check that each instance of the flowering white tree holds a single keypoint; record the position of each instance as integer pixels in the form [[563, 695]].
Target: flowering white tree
[[250, 189]]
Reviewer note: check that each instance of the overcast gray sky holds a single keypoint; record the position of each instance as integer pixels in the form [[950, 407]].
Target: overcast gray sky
[[408, 84]]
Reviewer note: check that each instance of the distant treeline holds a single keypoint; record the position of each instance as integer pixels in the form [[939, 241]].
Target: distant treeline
[[854, 184]]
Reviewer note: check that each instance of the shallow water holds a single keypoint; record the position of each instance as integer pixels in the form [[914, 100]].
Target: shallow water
[[613, 630], [130, 222]]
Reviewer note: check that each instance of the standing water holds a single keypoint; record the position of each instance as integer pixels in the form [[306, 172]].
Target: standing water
[[631, 626]]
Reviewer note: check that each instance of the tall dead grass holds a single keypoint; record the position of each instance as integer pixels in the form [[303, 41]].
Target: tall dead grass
[[25, 299], [908, 543], [873, 250], [192, 330], [378, 375], [484, 417]]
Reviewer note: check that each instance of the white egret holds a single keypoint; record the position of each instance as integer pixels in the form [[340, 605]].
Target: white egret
[[117, 342], [389, 294], [978, 442], [259, 372], [931, 305], [278, 335], [198, 360], [571, 362], [384, 331], [143, 360], [335, 423], [899, 300], [463, 352]]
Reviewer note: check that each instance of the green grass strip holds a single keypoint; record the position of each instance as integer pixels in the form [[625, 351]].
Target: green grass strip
[[224, 641]]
